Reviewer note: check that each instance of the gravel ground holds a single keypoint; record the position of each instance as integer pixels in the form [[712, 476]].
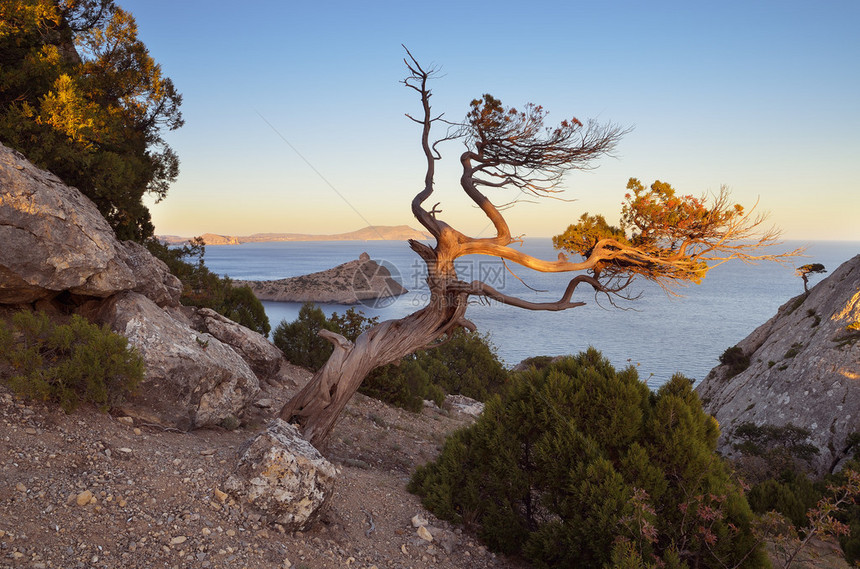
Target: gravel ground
[[92, 490]]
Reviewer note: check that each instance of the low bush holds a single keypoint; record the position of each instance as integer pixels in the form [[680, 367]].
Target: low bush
[[580, 465], [796, 497], [464, 363], [67, 363], [299, 340], [736, 359], [783, 448]]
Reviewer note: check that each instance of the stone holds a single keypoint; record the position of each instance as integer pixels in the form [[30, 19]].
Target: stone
[[262, 356], [463, 404], [125, 420], [282, 476], [424, 533], [178, 540], [84, 498], [54, 238], [152, 277], [192, 379], [418, 520], [804, 370]]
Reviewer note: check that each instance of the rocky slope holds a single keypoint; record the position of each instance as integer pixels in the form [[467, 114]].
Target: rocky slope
[[101, 491], [59, 255], [804, 370], [363, 280]]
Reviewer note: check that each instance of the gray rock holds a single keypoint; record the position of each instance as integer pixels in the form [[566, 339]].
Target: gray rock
[[281, 476], [804, 370], [463, 404], [192, 378], [152, 277], [263, 357], [54, 238]]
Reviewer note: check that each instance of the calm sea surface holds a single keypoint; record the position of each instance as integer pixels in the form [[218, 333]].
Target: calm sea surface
[[658, 334]]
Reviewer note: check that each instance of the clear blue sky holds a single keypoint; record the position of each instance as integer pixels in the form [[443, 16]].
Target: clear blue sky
[[762, 96]]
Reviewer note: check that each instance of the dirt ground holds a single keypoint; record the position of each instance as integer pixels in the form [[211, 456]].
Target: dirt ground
[[93, 490], [90, 490]]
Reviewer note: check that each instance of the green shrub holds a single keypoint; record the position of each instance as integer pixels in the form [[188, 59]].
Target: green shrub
[[784, 448], [580, 465], [736, 359], [466, 363], [794, 496], [67, 363], [299, 339], [793, 350]]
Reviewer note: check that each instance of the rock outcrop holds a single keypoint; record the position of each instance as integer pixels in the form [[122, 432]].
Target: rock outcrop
[[361, 281], [58, 252], [283, 477], [804, 370]]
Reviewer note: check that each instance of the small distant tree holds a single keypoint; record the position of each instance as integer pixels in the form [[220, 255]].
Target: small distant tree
[[663, 237], [805, 270]]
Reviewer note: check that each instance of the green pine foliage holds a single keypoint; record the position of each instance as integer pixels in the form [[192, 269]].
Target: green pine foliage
[[67, 363], [81, 96], [464, 364], [299, 339], [736, 359], [578, 464]]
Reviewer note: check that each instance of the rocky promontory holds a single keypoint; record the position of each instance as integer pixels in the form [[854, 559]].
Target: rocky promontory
[[358, 281], [803, 369]]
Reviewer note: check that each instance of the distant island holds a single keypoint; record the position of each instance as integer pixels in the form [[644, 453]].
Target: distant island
[[353, 282], [370, 233]]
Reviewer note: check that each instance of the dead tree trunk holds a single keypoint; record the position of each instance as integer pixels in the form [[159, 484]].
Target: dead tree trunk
[[673, 239], [318, 405]]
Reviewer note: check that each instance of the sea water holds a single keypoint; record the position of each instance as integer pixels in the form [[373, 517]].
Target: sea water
[[657, 333]]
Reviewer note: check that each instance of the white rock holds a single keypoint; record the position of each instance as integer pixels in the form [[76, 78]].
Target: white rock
[[281, 476]]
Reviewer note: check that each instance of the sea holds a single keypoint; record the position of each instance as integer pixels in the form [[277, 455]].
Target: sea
[[660, 334]]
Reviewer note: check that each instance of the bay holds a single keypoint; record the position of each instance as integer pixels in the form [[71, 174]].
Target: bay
[[659, 334]]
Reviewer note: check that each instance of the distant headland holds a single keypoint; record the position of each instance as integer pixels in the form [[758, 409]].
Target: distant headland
[[370, 233]]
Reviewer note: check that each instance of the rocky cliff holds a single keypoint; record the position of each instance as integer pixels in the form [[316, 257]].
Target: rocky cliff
[[363, 280], [804, 370], [58, 254]]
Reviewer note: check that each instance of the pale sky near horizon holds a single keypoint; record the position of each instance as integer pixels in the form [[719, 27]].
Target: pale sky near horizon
[[295, 112]]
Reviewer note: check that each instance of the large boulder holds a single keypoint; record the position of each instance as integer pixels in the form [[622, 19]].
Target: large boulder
[[201, 368], [283, 477], [152, 277], [264, 358], [192, 378], [55, 240], [804, 370]]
